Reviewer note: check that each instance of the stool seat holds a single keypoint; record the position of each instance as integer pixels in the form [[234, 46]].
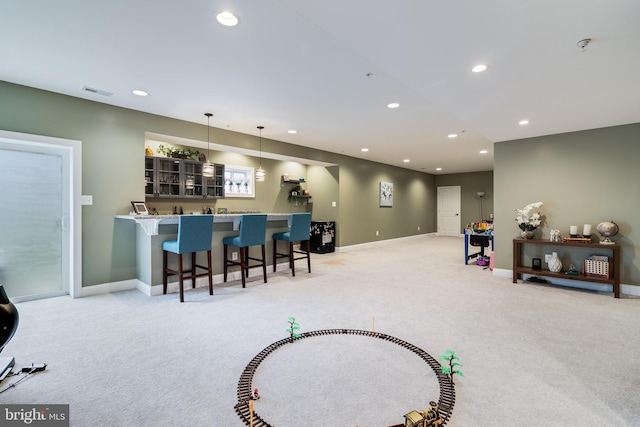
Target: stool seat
[[300, 231], [253, 228], [194, 235]]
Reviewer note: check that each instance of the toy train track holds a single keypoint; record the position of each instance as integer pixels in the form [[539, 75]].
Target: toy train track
[[245, 390]]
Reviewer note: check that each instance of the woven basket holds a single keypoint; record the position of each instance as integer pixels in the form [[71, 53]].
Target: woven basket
[[596, 268]]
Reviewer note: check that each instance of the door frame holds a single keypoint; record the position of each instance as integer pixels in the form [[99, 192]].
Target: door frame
[[73, 176], [459, 205]]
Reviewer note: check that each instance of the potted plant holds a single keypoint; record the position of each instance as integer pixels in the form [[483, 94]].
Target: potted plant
[[528, 222], [177, 153]]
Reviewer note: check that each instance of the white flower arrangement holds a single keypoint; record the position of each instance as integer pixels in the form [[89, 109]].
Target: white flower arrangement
[[528, 221]]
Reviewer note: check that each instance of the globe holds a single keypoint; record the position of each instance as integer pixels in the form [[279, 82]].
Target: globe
[[607, 230]]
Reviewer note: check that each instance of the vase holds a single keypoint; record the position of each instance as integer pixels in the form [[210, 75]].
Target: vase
[[555, 265], [526, 234], [8, 319]]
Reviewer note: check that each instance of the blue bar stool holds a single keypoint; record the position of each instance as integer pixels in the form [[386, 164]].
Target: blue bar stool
[[194, 235], [299, 232], [253, 228]]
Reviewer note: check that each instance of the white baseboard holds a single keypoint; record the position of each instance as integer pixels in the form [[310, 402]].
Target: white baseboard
[[203, 282], [591, 286], [106, 288], [380, 242]]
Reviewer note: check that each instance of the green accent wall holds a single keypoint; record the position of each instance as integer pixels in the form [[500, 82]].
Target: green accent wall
[[470, 184], [113, 143], [584, 177]]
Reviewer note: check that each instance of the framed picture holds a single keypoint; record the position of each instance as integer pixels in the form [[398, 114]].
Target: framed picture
[[222, 211], [386, 193], [140, 208]]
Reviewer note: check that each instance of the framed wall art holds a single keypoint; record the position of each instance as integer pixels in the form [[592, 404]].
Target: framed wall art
[[386, 193]]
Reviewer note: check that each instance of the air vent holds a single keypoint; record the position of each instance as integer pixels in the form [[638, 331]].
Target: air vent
[[96, 91]]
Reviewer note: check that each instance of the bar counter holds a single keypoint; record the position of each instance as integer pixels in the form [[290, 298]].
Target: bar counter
[[153, 230]]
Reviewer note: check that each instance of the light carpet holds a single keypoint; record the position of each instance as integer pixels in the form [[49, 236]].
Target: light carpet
[[533, 355]]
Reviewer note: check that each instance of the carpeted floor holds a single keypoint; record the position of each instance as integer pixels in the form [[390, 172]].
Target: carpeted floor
[[533, 355]]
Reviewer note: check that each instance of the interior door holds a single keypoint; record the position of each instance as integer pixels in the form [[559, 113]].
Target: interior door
[[449, 211], [34, 220]]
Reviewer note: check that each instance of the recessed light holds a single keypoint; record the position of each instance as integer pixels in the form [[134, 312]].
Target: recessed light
[[227, 19], [523, 122], [479, 68], [438, 169], [452, 135], [140, 92], [364, 150], [393, 105], [483, 151], [292, 131], [406, 160]]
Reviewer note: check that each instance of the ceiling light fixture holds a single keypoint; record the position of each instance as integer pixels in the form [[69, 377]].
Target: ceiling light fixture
[[483, 151], [207, 167], [452, 135], [406, 160], [140, 92], [292, 131], [479, 68], [393, 105], [523, 122], [227, 19], [438, 169], [364, 150], [260, 173]]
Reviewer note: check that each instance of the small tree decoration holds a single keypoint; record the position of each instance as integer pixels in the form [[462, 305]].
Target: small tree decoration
[[294, 327], [450, 370]]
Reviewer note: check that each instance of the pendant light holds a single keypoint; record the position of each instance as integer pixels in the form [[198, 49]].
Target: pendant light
[[260, 173], [207, 167]]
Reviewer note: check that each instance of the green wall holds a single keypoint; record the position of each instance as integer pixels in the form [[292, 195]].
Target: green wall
[[581, 177], [113, 142], [470, 184]]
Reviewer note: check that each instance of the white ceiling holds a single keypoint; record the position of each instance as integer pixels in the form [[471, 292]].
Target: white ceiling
[[329, 68]]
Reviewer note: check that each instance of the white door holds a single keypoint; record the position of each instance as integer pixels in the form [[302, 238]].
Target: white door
[[35, 232], [449, 211]]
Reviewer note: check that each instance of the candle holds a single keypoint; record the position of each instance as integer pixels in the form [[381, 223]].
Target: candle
[[573, 230], [586, 230]]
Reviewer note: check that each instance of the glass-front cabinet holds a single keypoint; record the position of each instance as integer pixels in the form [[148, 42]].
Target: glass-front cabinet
[[181, 178], [193, 182], [215, 185]]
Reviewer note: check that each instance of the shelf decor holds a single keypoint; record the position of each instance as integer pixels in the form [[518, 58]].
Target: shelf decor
[[528, 222], [555, 265], [386, 194]]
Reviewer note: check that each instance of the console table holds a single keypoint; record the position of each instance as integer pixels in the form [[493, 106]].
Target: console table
[[614, 262]]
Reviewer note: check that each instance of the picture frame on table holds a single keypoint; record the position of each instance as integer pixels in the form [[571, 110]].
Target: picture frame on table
[[140, 208]]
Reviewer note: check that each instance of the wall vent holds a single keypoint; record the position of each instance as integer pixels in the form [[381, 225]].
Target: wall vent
[[96, 91]]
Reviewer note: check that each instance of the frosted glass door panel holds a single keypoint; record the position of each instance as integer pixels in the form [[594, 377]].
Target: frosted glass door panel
[[32, 223]]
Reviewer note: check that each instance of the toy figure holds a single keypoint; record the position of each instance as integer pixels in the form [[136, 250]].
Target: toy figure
[[432, 416], [256, 396]]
